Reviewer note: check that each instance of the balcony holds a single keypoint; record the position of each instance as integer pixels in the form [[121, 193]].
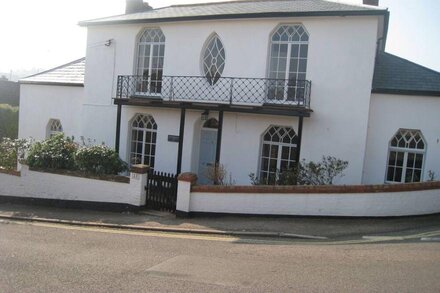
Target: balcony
[[227, 91]]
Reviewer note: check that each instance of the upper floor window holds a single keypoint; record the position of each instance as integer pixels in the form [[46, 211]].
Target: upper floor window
[[278, 152], [151, 49], [213, 59], [54, 127], [406, 155], [288, 63]]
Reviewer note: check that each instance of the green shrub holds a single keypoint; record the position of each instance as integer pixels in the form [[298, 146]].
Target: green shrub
[[308, 173], [8, 121], [57, 152], [99, 159], [12, 150]]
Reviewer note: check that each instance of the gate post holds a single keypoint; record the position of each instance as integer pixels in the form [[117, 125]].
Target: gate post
[[138, 180], [184, 183]]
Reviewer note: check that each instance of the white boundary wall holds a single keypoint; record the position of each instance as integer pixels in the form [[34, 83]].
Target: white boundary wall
[[35, 184], [356, 204]]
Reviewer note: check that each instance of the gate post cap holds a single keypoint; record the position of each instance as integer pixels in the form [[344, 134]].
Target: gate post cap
[[188, 177], [140, 169]]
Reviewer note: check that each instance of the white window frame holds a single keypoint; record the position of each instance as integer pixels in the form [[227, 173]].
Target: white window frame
[[279, 154], [140, 65], [289, 44], [406, 151], [144, 131], [50, 131]]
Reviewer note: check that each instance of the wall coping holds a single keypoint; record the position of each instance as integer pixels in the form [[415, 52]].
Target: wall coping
[[188, 177], [140, 169], [318, 188], [10, 172], [111, 178]]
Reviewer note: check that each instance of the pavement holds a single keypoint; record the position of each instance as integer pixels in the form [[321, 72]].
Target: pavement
[[313, 228]]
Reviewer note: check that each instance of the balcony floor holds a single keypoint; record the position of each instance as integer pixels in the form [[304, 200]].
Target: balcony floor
[[267, 109]]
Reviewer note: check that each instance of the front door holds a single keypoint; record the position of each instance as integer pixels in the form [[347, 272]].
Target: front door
[[208, 144]]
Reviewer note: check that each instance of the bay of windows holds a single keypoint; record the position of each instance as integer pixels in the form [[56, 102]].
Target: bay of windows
[[405, 157], [143, 140], [278, 152], [54, 127]]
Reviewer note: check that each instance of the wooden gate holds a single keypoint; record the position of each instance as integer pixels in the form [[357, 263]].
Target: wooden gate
[[161, 191]]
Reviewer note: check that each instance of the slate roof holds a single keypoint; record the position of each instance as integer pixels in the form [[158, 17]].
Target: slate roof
[[393, 74], [70, 74], [241, 9]]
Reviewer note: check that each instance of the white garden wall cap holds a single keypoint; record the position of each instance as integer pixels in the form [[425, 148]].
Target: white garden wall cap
[[139, 168], [70, 74], [317, 189], [187, 177], [241, 9]]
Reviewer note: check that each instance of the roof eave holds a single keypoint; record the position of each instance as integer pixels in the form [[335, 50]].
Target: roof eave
[[405, 92], [74, 84], [241, 16]]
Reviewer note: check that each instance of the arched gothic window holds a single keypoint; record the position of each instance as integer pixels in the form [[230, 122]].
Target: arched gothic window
[[406, 156], [54, 127], [288, 63], [143, 140], [150, 58], [278, 152], [213, 59]]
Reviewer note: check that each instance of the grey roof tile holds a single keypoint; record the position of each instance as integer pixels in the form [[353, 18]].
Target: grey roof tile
[[395, 74], [236, 8], [71, 73]]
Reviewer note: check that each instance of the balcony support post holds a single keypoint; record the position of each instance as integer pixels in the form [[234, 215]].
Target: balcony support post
[[118, 127], [219, 141], [298, 146], [181, 133]]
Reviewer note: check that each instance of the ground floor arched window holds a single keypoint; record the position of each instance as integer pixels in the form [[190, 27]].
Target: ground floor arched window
[[143, 140], [54, 127], [406, 157], [278, 152]]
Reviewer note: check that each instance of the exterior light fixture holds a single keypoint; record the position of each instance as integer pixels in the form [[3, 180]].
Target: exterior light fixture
[[205, 115]]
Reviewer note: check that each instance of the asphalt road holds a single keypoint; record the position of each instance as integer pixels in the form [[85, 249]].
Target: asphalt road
[[55, 258]]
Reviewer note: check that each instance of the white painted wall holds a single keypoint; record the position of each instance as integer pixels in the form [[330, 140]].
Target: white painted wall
[[241, 139], [340, 65], [53, 186], [384, 204], [40, 103], [388, 113]]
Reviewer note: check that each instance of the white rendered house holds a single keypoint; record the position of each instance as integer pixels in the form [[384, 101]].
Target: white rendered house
[[252, 85]]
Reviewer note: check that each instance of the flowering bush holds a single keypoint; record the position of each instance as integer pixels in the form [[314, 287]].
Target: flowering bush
[[12, 150], [57, 152], [307, 173], [99, 159]]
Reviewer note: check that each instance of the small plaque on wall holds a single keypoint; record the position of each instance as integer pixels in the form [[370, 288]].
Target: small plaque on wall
[[173, 138]]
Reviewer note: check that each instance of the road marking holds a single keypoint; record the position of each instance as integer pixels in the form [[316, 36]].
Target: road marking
[[220, 238], [435, 239]]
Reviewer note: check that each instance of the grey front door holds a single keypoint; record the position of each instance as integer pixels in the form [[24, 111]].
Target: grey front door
[[208, 144]]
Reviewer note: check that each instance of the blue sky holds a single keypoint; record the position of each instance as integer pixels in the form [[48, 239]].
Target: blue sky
[[44, 33]]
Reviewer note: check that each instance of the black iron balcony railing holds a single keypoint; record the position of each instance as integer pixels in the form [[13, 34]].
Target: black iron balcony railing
[[226, 90]]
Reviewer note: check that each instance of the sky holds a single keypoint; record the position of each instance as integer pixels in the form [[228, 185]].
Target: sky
[[41, 34]]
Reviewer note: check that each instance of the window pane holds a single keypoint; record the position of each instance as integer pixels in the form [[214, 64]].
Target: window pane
[[398, 175], [399, 161], [390, 174], [408, 175], [265, 152], [419, 161]]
